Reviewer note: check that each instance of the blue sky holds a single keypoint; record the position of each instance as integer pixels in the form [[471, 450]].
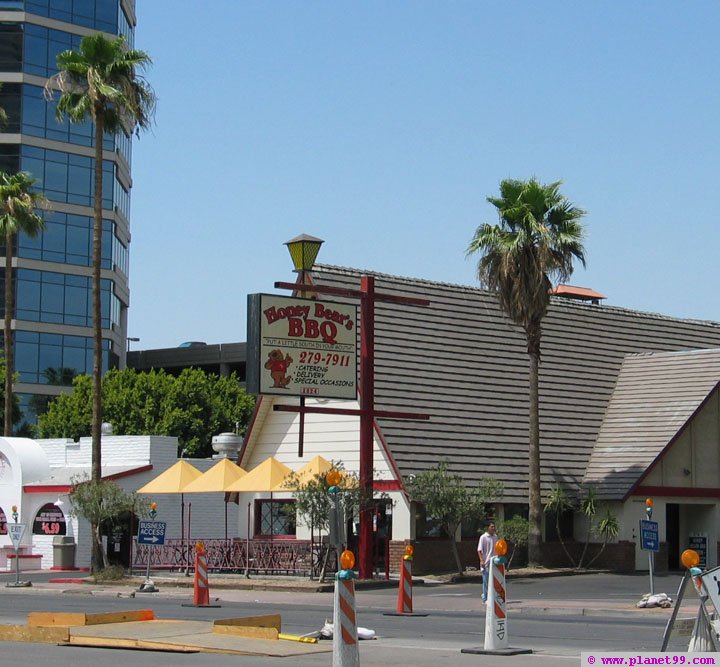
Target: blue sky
[[381, 127]]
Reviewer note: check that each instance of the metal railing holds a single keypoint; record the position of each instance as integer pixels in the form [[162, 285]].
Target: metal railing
[[257, 556]]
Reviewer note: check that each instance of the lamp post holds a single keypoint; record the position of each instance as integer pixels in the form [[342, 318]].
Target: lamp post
[[304, 250], [131, 339]]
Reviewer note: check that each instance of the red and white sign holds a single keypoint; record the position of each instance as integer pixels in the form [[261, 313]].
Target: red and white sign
[[301, 347]]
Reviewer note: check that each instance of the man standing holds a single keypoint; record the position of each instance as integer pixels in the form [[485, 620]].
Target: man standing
[[486, 550]]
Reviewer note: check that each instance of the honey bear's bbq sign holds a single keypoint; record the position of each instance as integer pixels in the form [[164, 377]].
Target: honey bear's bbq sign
[[301, 347]]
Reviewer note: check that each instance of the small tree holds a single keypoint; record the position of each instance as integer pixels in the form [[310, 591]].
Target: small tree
[[102, 501], [313, 503], [607, 527], [450, 502], [515, 531], [312, 507], [557, 503]]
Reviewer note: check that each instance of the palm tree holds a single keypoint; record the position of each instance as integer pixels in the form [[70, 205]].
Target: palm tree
[[102, 82], [538, 236], [18, 202]]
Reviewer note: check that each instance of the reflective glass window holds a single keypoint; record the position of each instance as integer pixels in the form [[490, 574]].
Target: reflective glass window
[[96, 14], [54, 359], [46, 296], [63, 177], [67, 239], [10, 47], [10, 101]]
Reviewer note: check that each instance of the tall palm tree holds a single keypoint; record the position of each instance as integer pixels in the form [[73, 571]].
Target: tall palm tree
[[18, 204], [102, 82], [533, 245]]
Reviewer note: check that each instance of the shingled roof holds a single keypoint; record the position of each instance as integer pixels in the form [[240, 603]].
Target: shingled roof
[[464, 363], [655, 398]]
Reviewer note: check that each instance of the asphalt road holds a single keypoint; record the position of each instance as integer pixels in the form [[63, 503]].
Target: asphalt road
[[455, 620]]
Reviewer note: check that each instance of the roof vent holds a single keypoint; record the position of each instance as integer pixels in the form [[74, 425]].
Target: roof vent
[[577, 293]]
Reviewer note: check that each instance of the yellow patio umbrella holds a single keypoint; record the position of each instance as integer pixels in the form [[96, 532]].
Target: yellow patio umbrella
[[217, 479], [172, 480], [264, 477], [267, 476], [318, 466]]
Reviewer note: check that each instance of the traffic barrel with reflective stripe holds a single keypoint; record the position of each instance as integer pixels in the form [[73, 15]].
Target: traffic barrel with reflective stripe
[[404, 601], [201, 590], [496, 633], [346, 652]]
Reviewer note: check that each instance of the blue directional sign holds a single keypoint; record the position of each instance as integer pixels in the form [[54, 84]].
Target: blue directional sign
[[649, 535], [151, 532]]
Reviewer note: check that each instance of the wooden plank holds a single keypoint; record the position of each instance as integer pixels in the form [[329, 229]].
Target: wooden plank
[[120, 617], [267, 626], [49, 619], [264, 621], [104, 642], [40, 635], [249, 631]]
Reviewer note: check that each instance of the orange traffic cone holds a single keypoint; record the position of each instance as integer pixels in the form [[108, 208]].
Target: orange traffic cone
[[404, 600], [201, 589]]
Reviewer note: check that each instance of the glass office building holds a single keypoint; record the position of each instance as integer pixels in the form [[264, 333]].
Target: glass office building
[[53, 290]]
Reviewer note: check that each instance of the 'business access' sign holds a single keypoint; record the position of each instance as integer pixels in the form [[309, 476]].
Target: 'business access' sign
[[151, 532]]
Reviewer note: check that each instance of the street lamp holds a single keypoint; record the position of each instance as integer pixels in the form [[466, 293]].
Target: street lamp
[[304, 250], [131, 339]]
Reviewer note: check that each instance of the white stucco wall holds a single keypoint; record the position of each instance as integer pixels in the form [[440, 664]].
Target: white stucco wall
[[26, 462]]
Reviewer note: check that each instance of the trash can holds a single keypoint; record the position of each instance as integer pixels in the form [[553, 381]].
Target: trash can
[[64, 552]]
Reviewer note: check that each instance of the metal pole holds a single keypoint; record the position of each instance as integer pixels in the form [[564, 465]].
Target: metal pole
[[649, 512], [676, 609], [651, 559], [367, 406], [17, 565], [147, 573], [247, 543]]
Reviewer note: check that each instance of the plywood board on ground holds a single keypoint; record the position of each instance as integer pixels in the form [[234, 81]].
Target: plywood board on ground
[[25, 633], [186, 636], [66, 619], [259, 627]]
